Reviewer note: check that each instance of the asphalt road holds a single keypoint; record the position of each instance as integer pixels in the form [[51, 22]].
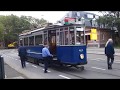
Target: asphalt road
[[95, 69]]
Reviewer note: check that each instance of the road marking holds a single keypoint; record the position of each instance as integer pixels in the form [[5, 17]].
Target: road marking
[[64, 76], [5, 76], [47, 70], [117, 62], [34, 66], [27, 63], [19, 77], [97, 59], [16, 59], [98, 68]]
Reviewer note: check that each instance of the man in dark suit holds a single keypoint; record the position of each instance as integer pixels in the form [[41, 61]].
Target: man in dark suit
[[109, 52], [22, 52]]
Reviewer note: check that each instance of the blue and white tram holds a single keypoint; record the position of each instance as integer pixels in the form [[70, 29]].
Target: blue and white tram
[[65, 42]]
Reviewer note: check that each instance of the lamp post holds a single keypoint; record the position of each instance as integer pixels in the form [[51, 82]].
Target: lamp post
[[83, 23]]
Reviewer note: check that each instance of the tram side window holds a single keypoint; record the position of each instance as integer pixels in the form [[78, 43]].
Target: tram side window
[[45, 38], [66, 37], [61, 38], [31, 40], [26, 41], [57, 38], [21, 42], [72, 36], [38, 40]]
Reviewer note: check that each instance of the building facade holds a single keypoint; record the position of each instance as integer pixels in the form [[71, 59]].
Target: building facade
[[103, 33]]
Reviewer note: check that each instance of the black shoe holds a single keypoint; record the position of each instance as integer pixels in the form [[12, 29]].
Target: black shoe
[[45, 71], [111, 67]]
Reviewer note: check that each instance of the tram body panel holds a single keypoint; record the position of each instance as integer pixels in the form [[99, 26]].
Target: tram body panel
[[72, 54], [34, 51]]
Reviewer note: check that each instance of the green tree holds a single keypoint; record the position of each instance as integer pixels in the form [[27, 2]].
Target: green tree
[[34, 22], [110, 19], [1, 32], [11, 26]]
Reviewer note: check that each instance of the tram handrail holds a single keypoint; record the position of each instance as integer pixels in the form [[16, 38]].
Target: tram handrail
[[34, 52]]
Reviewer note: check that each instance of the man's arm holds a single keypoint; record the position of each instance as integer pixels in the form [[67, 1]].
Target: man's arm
[[48, 52]]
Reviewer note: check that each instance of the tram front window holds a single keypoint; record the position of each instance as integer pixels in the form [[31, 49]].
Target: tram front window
[[79, 39]]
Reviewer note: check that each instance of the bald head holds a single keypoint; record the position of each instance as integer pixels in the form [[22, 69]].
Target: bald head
[[46, 46]]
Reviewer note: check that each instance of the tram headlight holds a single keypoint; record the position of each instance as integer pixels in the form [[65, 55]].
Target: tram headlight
[[81, 56]]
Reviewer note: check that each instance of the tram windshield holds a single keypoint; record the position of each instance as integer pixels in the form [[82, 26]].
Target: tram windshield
[[70, 36], [79, 38]]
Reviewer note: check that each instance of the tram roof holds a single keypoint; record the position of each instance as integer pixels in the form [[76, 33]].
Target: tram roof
[[49, 27]]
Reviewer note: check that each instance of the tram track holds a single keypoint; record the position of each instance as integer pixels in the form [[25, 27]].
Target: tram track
[[75, 74], [65, 71], [72, 74], [57, 68]]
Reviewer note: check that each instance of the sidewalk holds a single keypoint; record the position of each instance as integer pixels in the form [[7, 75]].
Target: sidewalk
[[96, 50], [11, 73]]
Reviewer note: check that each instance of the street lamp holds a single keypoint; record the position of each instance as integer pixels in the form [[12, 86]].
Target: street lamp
[[83, 23]]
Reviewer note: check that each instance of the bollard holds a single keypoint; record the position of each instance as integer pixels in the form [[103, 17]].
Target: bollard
[[2, 71]]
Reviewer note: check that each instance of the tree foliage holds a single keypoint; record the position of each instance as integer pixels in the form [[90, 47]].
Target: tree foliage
[[11, 26], [110, 18]]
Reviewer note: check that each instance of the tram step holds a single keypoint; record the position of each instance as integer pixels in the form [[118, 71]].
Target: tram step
[[54, 58]]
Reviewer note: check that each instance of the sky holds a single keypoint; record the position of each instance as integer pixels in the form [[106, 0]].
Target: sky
[[50, 16]]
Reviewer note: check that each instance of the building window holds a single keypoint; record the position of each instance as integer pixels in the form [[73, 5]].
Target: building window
[[85, 15], [78, 14], [89, 16]]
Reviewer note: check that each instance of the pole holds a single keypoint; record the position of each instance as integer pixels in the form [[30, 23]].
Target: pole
[[84, 34], [2, 71], [83, 23]]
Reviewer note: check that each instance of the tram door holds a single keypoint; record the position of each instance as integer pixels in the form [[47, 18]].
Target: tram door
[[52, 41]]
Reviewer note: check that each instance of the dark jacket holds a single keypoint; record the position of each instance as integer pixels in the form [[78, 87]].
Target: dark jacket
[[22, 51], [109, 49]]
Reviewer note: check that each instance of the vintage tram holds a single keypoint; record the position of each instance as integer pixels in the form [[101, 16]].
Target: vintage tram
[[66, 43]]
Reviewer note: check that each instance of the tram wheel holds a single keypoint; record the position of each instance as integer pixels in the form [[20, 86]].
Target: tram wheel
[[82, 68]]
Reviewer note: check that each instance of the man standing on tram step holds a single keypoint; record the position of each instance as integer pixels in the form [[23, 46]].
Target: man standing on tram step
[[22, 52], [46, 57], [109, 52]]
